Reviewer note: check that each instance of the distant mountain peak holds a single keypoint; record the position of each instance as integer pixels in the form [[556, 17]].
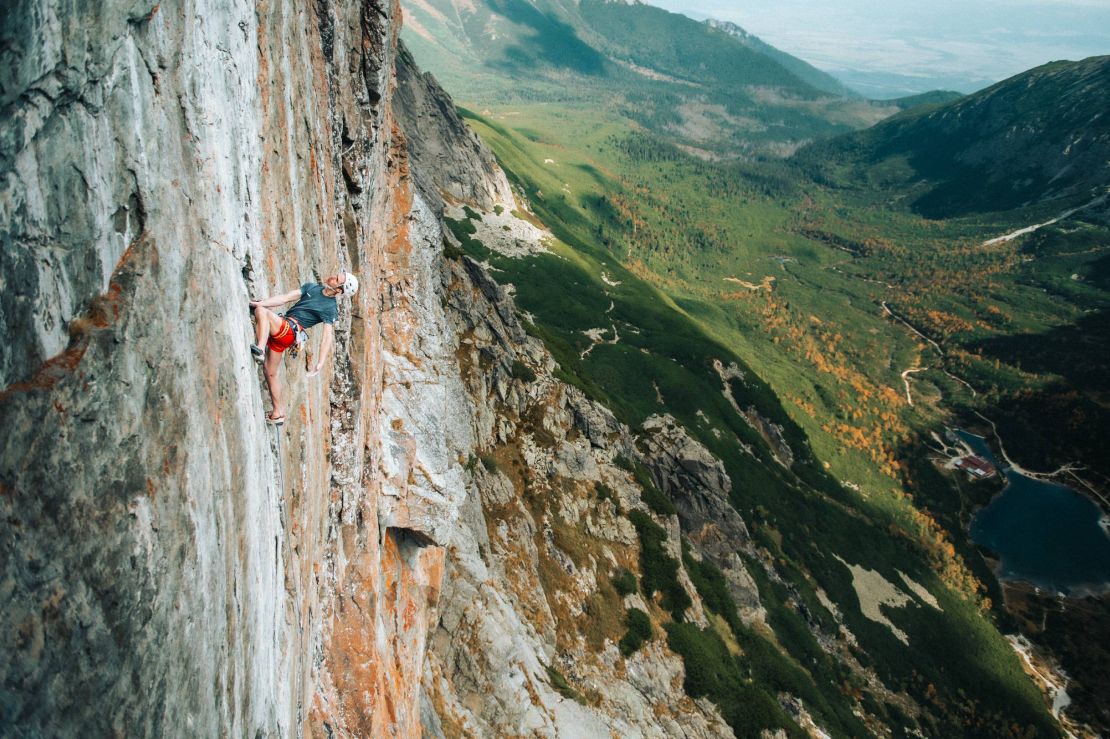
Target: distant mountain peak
[[728, 27], [709, 85], [802, 69]]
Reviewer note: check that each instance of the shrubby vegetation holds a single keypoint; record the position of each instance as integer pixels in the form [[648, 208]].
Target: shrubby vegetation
[[624, 582], [712, 672], [658, 570], [639, 631], [712, 587], [605, 493], [522, 372], [559, 682]]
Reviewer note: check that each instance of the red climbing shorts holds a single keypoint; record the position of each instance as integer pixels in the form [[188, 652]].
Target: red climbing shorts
[[283, 339]]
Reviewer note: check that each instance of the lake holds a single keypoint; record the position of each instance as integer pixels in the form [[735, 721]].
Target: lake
[[1044, 533]]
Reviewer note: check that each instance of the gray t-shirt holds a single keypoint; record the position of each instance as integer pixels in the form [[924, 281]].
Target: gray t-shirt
[[313, 307]]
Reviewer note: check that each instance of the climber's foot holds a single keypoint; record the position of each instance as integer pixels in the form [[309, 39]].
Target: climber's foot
[[276, 419], [258, 353]]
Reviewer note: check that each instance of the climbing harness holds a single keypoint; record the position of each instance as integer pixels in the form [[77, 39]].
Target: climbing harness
[[300, 336]]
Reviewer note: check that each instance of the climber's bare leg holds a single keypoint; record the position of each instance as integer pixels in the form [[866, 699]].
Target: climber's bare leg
[[273, 382], [267, 323]]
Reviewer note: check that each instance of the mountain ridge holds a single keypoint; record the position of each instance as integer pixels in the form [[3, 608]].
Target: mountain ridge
[[707, 87], [1021, 140], [804, 70]]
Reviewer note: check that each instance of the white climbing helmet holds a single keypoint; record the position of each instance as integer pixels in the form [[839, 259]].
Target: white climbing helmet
[[350, 284]]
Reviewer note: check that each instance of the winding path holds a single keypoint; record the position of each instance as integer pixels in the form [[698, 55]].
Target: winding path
[[962, 381], [906, 379], [1056, 684], [910, 326], [1070, 468], [595, 334]]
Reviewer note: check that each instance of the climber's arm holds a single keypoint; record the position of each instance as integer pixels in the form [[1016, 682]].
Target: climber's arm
[[325, 348], [276, 300]]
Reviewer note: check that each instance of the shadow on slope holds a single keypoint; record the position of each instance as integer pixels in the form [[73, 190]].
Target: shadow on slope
[[1063, 420], [553, 43]]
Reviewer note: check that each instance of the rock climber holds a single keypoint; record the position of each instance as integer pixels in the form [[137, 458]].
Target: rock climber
[[316, 303]]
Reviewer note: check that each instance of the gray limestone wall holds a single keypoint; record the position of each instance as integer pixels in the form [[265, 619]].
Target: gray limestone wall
[[141, 564], [167, 560]]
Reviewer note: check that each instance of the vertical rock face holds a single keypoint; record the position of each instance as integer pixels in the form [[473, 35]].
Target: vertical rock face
[[448, 158], [168, 563], [142, 543]]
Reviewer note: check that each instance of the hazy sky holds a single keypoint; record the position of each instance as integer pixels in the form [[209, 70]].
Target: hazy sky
[[937, 39]]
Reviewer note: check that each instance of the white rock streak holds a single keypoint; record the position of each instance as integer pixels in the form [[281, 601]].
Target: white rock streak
[[1030, 229], [505, 233]]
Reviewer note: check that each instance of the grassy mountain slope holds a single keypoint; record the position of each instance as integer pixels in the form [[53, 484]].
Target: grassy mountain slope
[[933, 97], [795, 278], [665, 317], [501, 47], [674, 45], [1041, 134], [663, 362]]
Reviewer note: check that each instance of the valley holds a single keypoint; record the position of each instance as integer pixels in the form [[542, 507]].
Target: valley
[[940, 267], [671, 338], [870, 324]]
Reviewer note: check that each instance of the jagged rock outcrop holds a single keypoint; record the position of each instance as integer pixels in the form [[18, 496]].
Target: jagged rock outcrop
[[699, 486], [449, 160], [528, 628]]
